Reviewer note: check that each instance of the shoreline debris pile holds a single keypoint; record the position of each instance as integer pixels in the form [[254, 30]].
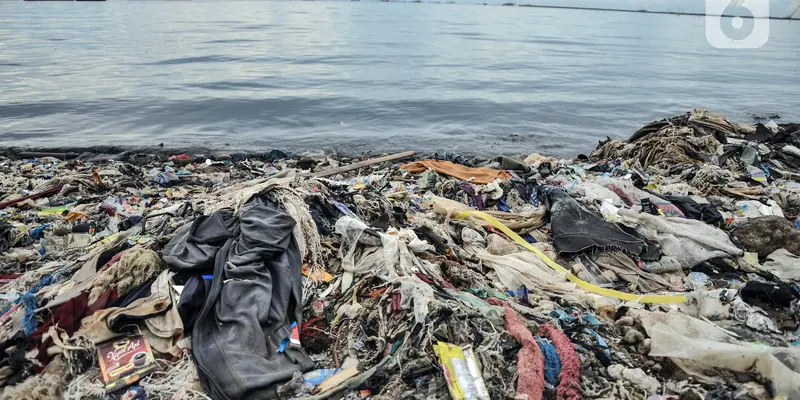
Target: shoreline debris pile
[[665, 266]]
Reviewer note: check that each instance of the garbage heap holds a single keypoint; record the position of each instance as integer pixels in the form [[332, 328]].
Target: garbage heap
[[664, 266]]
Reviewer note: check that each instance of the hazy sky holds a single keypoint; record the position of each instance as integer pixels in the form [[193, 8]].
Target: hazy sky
[[777, 7]]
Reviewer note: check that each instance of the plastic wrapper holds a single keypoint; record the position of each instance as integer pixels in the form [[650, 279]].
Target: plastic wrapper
[[461, 371], [591, 273], [610, 211], [318, 376], [491, 312]]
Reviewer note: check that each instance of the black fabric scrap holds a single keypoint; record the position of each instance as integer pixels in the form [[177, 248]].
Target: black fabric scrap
[[707, 213], [192, 299], [6, 236], [776, 294], [576, 229], [651, 251]]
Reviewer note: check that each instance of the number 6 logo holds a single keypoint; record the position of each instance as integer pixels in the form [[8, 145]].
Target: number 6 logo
[[737, 24]]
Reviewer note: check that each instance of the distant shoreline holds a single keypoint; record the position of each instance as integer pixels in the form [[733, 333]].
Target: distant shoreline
[[649, 12]]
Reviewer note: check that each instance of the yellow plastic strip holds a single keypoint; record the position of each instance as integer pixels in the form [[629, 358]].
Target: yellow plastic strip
[[668, 299]]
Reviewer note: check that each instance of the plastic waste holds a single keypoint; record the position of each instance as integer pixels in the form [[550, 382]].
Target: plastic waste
[[589, 272], [491, 312], [753, 317], [36, 232], [52, 211], [710, 304], [427, 180], [771, 125], [636, 376], [351, 230], [349, 369], [114, 205], [462, 373], [610, 211], [683, 337], [163, 178], [316, 377], [413, 288], [493, 190], [697, 281]]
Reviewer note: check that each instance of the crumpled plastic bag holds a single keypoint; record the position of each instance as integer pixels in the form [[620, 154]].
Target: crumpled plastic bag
[[394, 258], [753, 317], [351, 230], [636, 376], [709, 304], [413, 288]]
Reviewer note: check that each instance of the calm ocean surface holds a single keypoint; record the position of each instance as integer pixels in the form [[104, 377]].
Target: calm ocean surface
[[360, 76]]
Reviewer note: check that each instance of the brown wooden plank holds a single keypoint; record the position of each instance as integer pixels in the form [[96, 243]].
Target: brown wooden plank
[[361, 164]]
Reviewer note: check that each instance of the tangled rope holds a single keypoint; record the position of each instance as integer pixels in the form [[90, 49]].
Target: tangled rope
[[174, 381], [305, 231], [134, 267]]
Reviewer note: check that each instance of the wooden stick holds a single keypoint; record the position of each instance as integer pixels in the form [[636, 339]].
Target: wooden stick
[[38, 154], [46, 193], [361, 164]]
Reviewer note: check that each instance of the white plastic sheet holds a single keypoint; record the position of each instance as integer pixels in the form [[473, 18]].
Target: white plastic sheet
[[680, 336]]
